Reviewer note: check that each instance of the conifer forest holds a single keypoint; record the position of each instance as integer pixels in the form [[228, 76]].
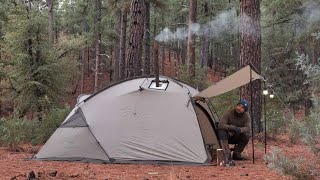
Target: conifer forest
[[55, 52]]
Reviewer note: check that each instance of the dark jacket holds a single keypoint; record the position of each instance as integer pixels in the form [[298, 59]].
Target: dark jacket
[[230, 121]]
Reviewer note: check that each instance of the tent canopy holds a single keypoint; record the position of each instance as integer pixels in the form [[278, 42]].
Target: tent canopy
[[235, 80]]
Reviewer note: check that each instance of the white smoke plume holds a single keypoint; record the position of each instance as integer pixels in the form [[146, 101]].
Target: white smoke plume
[[224, 22], [311, 12], [308, 16]]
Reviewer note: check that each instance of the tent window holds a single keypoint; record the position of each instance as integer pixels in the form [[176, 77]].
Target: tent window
[[162, 85]]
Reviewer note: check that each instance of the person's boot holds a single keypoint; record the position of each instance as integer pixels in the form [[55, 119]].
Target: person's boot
[[227, 153], [238, 156], [239, 147], [228, 160]]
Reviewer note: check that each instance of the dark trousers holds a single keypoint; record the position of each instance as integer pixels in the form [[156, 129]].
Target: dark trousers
[[239, 139]]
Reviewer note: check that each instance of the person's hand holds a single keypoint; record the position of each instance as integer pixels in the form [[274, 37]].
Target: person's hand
[[237, 130]]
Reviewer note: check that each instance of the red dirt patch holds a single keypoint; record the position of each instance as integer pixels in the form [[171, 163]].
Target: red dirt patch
[[14, 165]]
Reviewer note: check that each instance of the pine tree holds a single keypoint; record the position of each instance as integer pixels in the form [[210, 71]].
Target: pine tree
[[38, 74]]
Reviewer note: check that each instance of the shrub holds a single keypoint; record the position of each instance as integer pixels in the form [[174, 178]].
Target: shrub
[[14, 131], [294, 132], [199, 81], [276, 122], [310, 129], [279, 162], [49, 124]]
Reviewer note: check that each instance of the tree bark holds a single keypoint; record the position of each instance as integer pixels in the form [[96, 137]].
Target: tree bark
[[98, 44], [136, 29], [315, 51], [50, 19], [123, 35], [163, 49], [147, 40], [163, 58], [116, 51], [152, 69], [204, 52], [250, 52], [204, 40], [191, 37], [82, 70]]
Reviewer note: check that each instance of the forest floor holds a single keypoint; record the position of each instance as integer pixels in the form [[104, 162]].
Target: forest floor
[[15, 165]]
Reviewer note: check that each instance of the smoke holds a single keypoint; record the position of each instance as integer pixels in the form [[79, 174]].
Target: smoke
[[311, 12], [225, 22], [307, 17]]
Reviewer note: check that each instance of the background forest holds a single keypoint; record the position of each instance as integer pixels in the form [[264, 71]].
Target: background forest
[[52, 51]]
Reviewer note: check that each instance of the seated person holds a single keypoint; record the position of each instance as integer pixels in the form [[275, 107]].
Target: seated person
[[234, 128]]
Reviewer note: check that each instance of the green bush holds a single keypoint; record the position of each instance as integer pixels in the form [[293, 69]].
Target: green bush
[[310, 129], [294, 132], [49, 124], [199, 81], [15, 131], [279, 162], [276, 122]]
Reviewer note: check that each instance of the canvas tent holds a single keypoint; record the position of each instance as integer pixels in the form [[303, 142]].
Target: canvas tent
[[135, 121]]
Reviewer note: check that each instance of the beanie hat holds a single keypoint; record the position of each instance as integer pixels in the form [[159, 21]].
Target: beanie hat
[[244, 103]]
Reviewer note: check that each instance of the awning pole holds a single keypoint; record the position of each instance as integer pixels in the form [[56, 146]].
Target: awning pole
[[251, 100]]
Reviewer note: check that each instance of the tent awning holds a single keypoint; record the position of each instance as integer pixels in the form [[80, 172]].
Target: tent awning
[[235, 80]]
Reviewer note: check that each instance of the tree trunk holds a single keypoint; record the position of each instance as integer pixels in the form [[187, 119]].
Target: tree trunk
[[315, 51], [191, 38], [183, 53], [82, 70], [178, 56], [163, 58], [98, 44], [136, 29], [147, 40], [152, 69], [204, 51], [50, 19], [250, 52], [88, 61], [204, 40], [116, 51], [169, 54], [163, 50], [0, 76], [123, 35]]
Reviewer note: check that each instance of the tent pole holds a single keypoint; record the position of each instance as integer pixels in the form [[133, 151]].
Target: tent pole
[[251, 99], [265, 120], [156, 62]]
